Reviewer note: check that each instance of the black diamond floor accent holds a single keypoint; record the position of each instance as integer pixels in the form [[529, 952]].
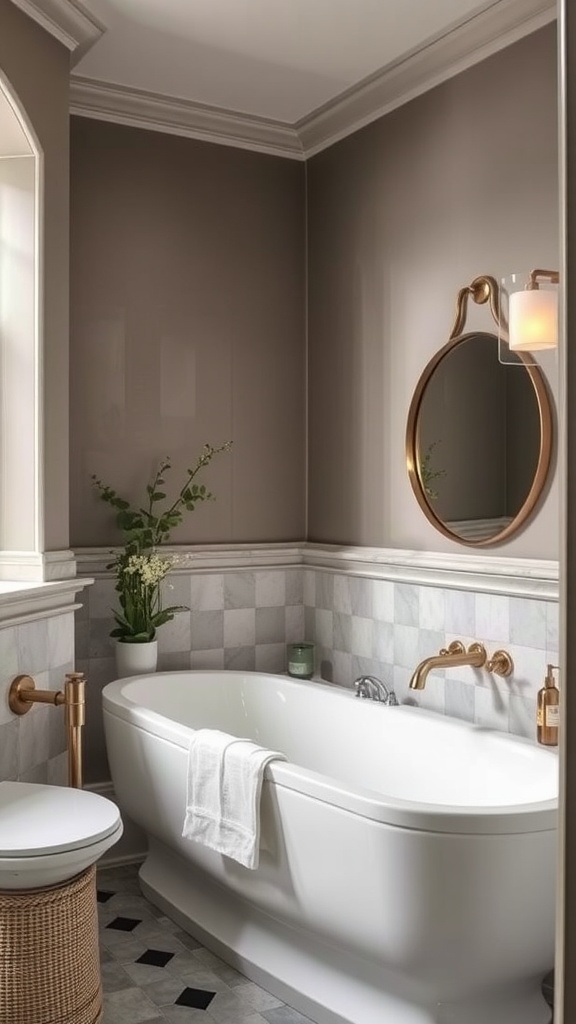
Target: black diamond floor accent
[[155, 958], [199, 998], [102, 896], [123, 924]]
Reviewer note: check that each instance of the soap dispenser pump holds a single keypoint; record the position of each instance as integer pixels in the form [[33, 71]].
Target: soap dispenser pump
[[548, 710]]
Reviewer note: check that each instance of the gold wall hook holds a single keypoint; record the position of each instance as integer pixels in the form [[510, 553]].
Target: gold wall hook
[[23, 694], [500, 663]]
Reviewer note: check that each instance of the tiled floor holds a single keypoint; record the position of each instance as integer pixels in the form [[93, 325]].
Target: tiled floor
[[152, 971]]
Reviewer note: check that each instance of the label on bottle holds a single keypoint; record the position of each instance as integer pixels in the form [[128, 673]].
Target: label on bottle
[[553, 715], [297, 668]]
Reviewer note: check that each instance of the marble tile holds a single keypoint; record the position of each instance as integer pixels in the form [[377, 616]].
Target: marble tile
[[492, 618], [342, 599], [361, 596], [295, 622], [102, 597], [9, 732], [239, 627], [294, 586], [522, 717], [239, 590], [207, 659], [406, 646], [362, 637], [270, 589], [431, 608], [9, 667], [341, 669], [459, 699], [207, 593], [383, 600], [177, 589], [128, 1006], [207, 630], [100, 643], [309, 588], [32, 642], [383, 642], [60, 639], [528, 673], [270, 625], [177, 634], [491, 709], [114, 977], [406, 604], [324, 590], [270, 658], [460, 612], [528, 622], [324, 627], [342, 633], [173, 661], [240, 659]]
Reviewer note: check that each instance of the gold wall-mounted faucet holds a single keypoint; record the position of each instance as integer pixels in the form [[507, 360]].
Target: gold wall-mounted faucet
[[23, 694], [456, 654]]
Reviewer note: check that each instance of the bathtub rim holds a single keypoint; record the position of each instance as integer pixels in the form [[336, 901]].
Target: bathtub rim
[[539, 816]]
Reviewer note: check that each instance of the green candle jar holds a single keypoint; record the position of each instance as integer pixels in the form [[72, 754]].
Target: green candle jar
[[301, 660]]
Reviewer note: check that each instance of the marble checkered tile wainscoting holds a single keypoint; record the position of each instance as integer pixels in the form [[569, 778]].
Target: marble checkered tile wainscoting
[[41, 644], [385, 628], [366, 611]]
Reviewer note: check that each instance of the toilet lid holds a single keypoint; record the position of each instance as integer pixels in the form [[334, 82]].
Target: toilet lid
[[36, 820]]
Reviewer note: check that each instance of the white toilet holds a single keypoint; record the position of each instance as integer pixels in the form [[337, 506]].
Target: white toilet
[[48, 834]]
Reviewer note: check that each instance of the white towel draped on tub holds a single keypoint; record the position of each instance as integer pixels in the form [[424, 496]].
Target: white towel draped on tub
[[224, 785]]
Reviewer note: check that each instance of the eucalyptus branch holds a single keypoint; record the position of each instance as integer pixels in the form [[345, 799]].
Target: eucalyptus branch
[[138, 569]]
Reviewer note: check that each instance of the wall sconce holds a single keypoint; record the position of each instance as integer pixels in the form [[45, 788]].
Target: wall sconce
[[530, 311]]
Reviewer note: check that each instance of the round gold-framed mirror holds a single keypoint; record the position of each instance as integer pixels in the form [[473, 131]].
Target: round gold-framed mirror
[[479, 433]]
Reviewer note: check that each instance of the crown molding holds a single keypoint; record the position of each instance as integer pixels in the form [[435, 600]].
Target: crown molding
[[499, 25], [70, 21], [140, 109]]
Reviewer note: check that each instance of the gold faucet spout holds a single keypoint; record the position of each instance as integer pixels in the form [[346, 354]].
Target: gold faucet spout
[[455, 654]]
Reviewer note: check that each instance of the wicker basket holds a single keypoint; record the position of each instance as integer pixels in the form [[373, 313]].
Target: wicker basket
[[49, 958]]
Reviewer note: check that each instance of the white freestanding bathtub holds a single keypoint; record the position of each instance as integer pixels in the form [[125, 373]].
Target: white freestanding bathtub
[[407, 865]]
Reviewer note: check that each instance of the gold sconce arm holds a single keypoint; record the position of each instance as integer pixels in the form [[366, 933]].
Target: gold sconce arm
[[553, 276], [481, 289], [23, 694]]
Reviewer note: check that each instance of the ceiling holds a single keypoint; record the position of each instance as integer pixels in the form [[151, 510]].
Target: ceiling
[[278, 59], [285, 77]]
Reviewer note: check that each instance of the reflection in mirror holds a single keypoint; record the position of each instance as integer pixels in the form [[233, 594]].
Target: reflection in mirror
[[478, 441]]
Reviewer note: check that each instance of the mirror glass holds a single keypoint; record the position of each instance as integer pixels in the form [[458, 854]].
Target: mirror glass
[[478, 440]]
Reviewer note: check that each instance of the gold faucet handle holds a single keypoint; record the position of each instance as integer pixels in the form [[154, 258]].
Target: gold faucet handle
[[500, 663], [456, 647]]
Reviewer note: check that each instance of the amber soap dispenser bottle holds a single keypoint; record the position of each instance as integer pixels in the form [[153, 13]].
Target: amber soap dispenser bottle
[[548, 710]]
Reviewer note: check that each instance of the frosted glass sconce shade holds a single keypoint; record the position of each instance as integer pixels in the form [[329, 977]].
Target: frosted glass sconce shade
[[531, 310]]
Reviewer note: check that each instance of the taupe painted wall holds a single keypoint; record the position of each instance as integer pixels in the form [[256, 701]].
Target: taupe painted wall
[[187, 326], [37, 68], [459, 182]]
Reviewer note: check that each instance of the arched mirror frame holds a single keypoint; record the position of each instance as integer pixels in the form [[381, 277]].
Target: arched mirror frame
[[482, 289]]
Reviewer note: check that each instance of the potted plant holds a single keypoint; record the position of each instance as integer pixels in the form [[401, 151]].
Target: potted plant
[[138, 568]]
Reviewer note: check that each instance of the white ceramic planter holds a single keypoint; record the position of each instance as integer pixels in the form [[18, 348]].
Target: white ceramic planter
[[136, 659]]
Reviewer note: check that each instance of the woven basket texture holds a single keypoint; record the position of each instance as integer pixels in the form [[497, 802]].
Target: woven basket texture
[[49, 956]]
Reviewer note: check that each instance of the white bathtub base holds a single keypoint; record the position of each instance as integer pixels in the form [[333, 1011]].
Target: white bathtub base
[[321, 981]]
